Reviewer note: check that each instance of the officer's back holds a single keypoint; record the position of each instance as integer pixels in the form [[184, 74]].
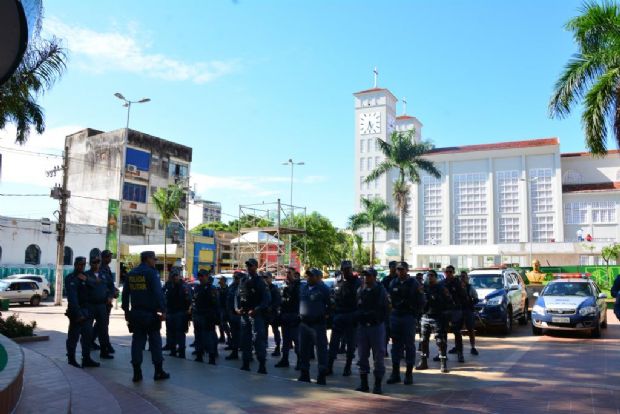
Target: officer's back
[[313, 302], [142, 290]]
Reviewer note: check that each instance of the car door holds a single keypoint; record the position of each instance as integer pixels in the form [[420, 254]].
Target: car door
[[513, 295], [11, 292], [522, 292], [600, 303]]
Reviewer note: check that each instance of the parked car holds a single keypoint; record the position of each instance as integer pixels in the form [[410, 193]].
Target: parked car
[[41, 280], [571, 304], [502, 295], [21, 291]]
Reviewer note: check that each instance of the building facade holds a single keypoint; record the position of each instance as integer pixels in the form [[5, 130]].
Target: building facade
[[203, 211], [506, 202], [105, 166]]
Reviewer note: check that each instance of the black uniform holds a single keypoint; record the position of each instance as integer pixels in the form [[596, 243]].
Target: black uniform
[[289, 319], [178, 304], [407, 303], [372, 308], [386, 281], [273, 317], [435, 319], [252, 295], [344, 299], [205, 315], [80, 318], [224, 326], [461, 301]]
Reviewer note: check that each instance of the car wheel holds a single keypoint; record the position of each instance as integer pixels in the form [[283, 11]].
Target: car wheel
[[507, 328], [21, 303], [536, 331], [596, 332], [45, 294], [35, 300], [523, 318]]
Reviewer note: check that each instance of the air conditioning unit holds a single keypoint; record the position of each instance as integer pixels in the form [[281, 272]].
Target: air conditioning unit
[[132, 168]]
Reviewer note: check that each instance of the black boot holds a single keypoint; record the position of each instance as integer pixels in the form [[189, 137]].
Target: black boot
[[395, 377], [363, 383], [297, 365], [137, 373], [110, 349], [330, 366], [347, 369], [276, 352], [160, 374], [376, 389], [233, 355], [423, 364], [321, 379], [71, 360], [94, 346], [304, 376], [460, 356], [199, 357], [444, 365], [211, 359], [173, 351], [181, 353], [89, 363], [282, 363], [167, 347], [105, 355], [222, 340], [409, 375], [245, 366], [262, 369]]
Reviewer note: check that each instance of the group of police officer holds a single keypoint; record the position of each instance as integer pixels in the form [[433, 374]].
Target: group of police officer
[[363, 315]]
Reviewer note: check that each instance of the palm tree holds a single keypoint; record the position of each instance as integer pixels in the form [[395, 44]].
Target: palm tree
[[42, 64], [407, 157], [167, 201], [375, 213], [592, 75]]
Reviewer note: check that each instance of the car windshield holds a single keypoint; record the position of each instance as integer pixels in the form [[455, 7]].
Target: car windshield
[[4, 285], [486, 281], [568, 289]]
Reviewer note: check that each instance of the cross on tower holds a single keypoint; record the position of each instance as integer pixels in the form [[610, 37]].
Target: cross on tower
[[376, 72], [404, 106]]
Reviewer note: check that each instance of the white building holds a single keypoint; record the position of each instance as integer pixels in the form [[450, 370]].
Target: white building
[[505, 202], [28, 242], [203, 211]]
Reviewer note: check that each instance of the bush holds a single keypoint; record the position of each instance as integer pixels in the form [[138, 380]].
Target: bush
[[12, 327]]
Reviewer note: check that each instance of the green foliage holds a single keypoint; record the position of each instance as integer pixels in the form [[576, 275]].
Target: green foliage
[[13, 327], [548, 277], [213, 225], [375, 213], [407, 157], [130, 261], [42, 65], [168, 201], [321, 236], [249, 221], [591, 77]]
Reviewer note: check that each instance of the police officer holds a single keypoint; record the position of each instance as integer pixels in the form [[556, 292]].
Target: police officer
[[251, 303], [106, 274], [205, 315], [386, 281], [289, 317], [144, 307], [435, 319], [615, 292], [372, 309], [407, 298], [461, 301], [178, 304], [80, 318], [344, 300], [314, 306], [99, 297], [469, 311], [273, 314], [222, 293], [233, 318]]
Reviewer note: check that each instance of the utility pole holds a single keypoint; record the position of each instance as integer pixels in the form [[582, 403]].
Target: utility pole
[[62, 194]]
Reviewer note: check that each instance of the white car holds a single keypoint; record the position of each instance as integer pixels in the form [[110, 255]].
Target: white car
[[41, 280], [21, 291]]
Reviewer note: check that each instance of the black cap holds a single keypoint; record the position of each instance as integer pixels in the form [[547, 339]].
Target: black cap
[[106, 253], [266, 274], [402, 265], [147, 254], [95, 258], [369, 272], [203, 272], [313, 271], [251, 262], [79, 259], [393, 263], [175, 271], [346, 264]]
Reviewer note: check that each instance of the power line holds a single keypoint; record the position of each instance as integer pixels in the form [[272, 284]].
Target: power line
[[23, 195]]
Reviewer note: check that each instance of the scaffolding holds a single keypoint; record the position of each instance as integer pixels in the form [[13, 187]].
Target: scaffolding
[[272, 233]]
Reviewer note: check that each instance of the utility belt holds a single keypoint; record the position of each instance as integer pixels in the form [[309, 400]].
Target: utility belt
[[98, 302], [312, 320]]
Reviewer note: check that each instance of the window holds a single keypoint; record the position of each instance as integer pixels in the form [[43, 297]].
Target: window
[[164, 168], [571, 177], [470, 193], [509, 230], [369, 144], [470, 231], [134, 192], [431, 188], [542, 228], [508, 191], [140, 159], [362, 145], [362, 163], [94, 253], [68, 256], [362, 182], [369, 164], [576, 213], [377, 147], [603, 212], [178, 170], [153, 189], [376, 161], [33, 255], [541, 191], [133, 225], [432, 231]]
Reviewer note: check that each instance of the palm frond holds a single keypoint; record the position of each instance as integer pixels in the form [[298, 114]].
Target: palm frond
[[599, 103], [383, 168]]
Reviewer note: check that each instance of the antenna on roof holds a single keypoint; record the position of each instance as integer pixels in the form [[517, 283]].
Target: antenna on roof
[[376, 72]]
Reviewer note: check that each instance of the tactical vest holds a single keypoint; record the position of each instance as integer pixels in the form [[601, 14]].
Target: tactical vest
[[369, 306], [345, 295], [249, 295], [176, 297], [205, 299], [290, 298], [436, 300], [402, 296], [459, 296]]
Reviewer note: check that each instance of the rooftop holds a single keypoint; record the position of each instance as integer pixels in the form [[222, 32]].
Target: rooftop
[[586, 154], [591, 187], [541, 142]]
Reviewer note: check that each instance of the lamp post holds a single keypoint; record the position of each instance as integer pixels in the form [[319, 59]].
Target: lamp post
[[529, 211], [290, 237], [127, 104]]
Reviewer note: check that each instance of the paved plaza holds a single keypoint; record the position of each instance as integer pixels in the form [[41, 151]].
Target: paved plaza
[[515, 374]]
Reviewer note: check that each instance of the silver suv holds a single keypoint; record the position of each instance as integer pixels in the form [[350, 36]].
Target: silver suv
[[21, 291], [41, 280]]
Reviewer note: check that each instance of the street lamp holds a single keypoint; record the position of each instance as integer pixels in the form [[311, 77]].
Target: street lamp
[[529, 210], [127, 104], [290, 237]]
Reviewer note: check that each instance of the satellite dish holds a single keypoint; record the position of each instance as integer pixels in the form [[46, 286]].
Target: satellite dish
[[13, 37]]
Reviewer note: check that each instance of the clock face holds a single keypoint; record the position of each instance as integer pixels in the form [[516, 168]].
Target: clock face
[[370, 123]]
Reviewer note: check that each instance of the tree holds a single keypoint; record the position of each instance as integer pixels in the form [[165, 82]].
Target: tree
[[592, 76], [320, 238], [213, 225], [407, 157], [43, 64], [249, 221], [608, 253], [168, 201], [375, 213]]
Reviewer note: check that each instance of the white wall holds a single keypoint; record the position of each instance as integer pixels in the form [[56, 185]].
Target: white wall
[[594, 170]]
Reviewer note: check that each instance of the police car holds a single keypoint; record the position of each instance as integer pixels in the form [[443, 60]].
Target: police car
[[573, 304]]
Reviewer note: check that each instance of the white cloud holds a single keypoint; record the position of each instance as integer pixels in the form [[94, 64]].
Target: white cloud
[[101, 52]]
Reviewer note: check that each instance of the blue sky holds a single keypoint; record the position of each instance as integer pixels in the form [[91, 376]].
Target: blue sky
[[249, 84]]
